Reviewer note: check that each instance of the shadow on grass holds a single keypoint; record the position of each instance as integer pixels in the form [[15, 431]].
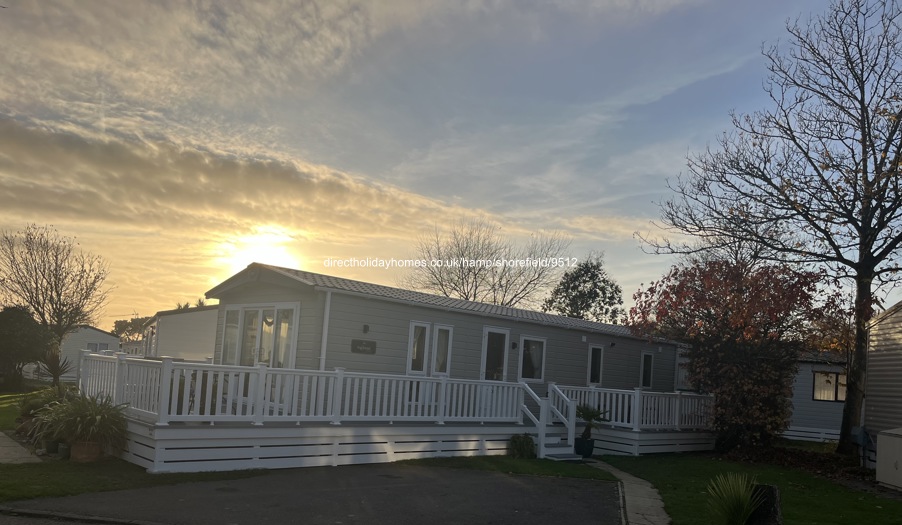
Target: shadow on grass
[[56, 478]]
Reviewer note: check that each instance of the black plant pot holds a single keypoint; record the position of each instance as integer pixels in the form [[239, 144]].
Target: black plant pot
[[52, 446], [584, 447]]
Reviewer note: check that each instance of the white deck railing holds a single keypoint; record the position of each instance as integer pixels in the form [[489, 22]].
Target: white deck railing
[[638, 409], [165, 391]]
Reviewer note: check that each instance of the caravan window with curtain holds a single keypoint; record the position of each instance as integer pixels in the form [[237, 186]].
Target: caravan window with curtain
[[532, 359]]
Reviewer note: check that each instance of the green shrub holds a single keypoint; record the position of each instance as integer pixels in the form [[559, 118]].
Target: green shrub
[[732, 498], [83, 418], [30, 404], [521, 446]]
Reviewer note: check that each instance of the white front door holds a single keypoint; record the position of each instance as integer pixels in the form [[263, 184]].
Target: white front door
[[494, 354]]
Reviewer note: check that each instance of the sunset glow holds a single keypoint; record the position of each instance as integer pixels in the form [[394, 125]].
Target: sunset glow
[[268, 244], [183, 141]]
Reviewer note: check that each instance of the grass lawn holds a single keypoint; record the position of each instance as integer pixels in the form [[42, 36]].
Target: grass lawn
[[807, 500], [9, 410], [63, 478], [509, 465]]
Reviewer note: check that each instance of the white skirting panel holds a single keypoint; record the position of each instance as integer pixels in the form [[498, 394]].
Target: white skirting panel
[[811, 434], [620, 442], [198, 448]]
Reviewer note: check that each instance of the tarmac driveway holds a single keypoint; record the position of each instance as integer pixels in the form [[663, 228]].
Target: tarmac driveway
[[363, 494]]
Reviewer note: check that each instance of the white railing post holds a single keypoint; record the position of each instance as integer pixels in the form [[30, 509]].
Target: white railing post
[[84, 371], [335, 395], [550, 396], [637, 409], [121, 378], [442, 399], [259, 402], [571, 421], [165, 390], [679, 411], [521, 401], [543, 426]]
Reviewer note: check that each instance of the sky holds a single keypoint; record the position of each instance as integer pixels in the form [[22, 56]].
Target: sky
[[182, 141]]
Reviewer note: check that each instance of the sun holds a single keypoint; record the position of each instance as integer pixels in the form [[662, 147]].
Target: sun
[[266, 244]]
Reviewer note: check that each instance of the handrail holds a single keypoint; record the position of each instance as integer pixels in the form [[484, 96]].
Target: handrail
[[569, 419], [638, 409], [541, 423]]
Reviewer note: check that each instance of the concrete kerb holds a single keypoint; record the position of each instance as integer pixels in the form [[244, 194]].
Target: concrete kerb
[[642, 504]]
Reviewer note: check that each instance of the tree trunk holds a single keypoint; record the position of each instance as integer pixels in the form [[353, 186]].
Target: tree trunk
[[855, 380]]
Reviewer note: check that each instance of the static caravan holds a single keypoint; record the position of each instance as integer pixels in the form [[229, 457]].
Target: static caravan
[[187, 333], [297, 319], [86, 338], [883, 396], [818, 397], [312, 370]]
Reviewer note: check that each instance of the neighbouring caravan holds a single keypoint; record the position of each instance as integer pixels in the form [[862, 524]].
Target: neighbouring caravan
[[188, 333]]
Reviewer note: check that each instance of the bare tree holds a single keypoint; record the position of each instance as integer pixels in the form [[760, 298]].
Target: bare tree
[[62, 284], [474, 261], [819, 172]]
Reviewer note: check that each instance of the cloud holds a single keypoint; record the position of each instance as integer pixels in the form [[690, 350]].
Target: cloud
[[604, 228], [161, 213], [160, 185], [174, 53]]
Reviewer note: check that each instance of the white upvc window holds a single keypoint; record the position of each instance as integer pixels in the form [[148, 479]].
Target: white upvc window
[[829, 386], [417, 348], [260, 333], [441, 349], [646, 370], [532, 358], [596, 364]]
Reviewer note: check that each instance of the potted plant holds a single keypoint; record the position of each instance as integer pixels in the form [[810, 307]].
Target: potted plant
[[43, 431], [90, 424], [584, 445]]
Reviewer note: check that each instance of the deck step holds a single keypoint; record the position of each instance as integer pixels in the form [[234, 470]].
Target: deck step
[[564, 457]]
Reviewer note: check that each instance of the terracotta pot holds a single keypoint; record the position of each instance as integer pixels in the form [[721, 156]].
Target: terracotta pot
[[85, 451]]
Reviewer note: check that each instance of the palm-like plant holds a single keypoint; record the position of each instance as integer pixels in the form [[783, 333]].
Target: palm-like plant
[[56, 366], [732, 498], [591, 416]]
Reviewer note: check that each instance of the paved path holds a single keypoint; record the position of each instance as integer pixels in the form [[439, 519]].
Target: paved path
[[12, 452], [643, 502]]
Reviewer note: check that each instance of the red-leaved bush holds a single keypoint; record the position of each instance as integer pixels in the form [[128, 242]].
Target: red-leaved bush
[[745, 324]]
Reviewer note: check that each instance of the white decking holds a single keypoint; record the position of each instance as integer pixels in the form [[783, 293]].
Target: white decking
[[193, 416]]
